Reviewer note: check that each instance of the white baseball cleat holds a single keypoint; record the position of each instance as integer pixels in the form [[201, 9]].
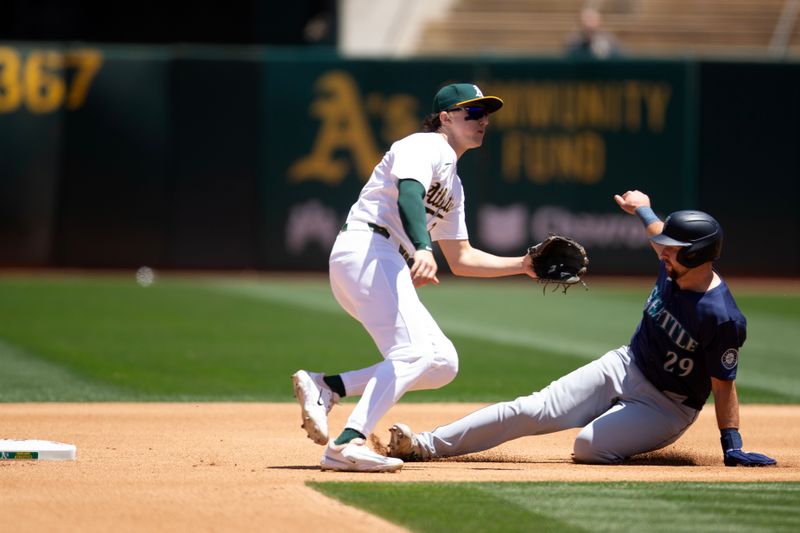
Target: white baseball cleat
[[355, 456], [316, 401], [403, 444]]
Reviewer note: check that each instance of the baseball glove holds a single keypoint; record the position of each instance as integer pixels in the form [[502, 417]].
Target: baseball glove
[[560, 261]]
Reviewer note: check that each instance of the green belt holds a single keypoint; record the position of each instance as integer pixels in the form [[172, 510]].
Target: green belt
[[383, 232]]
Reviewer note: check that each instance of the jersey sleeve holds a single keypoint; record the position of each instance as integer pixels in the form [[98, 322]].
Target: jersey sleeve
[[413, 161], [722, 354]]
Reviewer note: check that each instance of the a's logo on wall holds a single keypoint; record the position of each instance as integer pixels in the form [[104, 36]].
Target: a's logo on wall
[[345, 141], [730, 358]]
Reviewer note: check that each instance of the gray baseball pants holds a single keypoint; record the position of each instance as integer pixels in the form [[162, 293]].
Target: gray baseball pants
[[622, 414]]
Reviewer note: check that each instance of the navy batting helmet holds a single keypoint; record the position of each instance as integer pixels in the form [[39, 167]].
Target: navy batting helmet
[[696, 232]]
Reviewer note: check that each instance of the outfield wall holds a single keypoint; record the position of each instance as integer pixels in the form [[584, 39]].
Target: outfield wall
[[186, 157]]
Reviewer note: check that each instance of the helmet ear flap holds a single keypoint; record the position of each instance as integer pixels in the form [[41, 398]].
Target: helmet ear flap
[[702, 250], [689, 258]]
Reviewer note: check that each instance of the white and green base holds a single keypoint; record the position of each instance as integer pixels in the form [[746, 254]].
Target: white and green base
[[36, 450]]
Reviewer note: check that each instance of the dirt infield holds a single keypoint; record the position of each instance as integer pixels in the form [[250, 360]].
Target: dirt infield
[[234, 466]]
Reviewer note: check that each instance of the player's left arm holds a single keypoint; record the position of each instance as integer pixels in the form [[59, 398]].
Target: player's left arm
[[726, 406], [412, 214], [464, 260]]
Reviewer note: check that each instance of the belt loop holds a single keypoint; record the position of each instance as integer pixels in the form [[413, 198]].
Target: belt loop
[[380, 230], [406, 256]]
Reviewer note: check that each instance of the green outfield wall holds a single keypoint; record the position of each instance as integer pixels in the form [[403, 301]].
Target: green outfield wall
[[188, 157]]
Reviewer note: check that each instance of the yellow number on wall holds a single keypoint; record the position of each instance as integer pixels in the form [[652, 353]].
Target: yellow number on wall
[[10, 93], [44, 88], [40, 80], [87, 62]]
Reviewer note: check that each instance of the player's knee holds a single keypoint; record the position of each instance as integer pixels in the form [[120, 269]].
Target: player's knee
[[447, 361], [449, 355], [443, 366], [588, 450]]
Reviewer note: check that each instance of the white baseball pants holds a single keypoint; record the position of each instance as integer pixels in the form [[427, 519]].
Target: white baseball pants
[[372, 282]]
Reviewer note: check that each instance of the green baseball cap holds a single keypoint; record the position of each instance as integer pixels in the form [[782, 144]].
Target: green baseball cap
[[462, 94]]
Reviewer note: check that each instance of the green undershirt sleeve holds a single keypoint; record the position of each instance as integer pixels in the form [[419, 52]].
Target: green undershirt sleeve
[[412, 213]]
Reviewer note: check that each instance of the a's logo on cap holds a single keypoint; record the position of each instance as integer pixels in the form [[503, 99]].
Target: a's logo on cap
[[478, 92], [730, 358]]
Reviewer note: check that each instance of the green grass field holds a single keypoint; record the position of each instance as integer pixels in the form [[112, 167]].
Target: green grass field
[[524, 507], [105, 338]]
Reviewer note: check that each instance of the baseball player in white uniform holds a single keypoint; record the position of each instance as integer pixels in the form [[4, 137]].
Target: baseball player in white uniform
[[644, 395], [382, 255]]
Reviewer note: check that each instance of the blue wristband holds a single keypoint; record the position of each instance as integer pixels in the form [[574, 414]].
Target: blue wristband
[[646, 215], [730, 440]]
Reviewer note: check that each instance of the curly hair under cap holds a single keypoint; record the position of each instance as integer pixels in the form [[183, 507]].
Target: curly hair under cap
[[431, 123]]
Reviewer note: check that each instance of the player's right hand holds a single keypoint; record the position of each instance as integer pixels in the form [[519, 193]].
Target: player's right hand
[[424, 269]]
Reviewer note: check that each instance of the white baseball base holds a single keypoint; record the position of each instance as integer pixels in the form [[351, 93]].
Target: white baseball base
[[16, 450]]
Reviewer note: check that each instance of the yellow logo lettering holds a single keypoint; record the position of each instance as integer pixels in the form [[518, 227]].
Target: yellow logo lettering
[[657, 98], [344, 127]]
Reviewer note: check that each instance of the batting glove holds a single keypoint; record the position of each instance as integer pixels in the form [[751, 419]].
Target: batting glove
[[734, 456]]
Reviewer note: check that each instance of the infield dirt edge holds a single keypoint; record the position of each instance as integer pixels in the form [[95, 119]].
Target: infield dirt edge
[[235, 466]]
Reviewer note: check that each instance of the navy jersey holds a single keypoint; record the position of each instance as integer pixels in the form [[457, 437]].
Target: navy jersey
[[687, 337]]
